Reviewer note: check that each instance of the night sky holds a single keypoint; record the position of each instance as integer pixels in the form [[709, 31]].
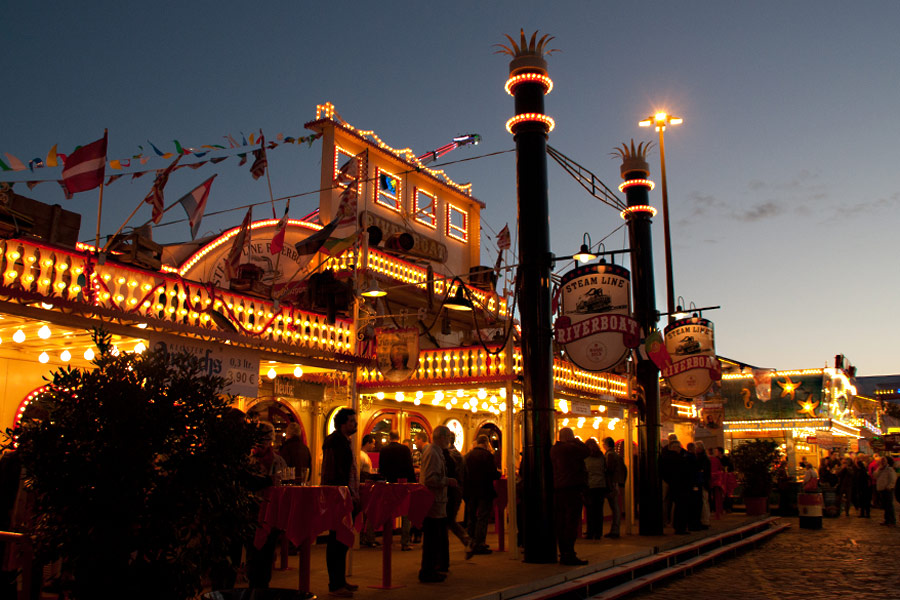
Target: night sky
[[783, 189]]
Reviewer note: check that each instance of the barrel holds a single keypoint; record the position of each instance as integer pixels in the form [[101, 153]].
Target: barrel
[[810, 507]]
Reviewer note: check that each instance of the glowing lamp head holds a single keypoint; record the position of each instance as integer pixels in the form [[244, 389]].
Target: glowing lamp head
[[298, 371], [272, 373], [19, 336], [44, 357]]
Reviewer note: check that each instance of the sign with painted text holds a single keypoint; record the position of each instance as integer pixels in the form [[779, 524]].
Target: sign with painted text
[[691, 346], [577, 407], [240, 368], [595, 325]]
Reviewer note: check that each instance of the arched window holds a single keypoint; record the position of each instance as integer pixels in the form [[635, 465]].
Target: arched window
[[278, 414]]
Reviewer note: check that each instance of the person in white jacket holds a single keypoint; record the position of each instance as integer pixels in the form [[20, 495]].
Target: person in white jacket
[[885, 480]]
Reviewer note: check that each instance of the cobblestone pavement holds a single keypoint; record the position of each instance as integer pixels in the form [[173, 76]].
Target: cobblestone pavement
[[849, 557]]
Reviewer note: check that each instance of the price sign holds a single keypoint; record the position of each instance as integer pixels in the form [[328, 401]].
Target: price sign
[[239, 368]]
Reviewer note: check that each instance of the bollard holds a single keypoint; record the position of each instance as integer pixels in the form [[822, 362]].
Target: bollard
[[810, 506]]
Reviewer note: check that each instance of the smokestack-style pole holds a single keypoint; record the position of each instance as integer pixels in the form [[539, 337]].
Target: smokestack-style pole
[[528, 83], [638, 214]]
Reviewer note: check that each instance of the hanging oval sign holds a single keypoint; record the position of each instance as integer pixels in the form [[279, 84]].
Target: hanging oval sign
[[596, 327], [691, 346]]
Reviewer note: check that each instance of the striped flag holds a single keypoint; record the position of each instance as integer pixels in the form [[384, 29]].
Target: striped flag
[[278, 239], [194, 203], [84, 169], [503, 238], [258, 168], [237, 246], [155, 197]]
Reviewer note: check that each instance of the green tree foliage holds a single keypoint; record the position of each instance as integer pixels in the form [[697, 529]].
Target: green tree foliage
[[754, 461], [138, 474]]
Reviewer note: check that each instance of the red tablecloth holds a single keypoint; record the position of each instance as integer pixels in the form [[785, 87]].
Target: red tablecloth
[[384, 501], [304, 512]]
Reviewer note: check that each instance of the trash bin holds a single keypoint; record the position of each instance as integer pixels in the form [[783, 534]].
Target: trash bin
[[810, 505], [258, 594]]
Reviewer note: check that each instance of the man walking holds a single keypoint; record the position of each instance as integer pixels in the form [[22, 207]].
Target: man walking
[[339, 468], [481, 472], [569, 483], [885, 480], [616, 474], [433, 475], [395, 463]]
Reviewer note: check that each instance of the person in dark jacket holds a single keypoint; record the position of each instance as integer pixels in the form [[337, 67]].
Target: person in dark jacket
[[863, 487], [339, 468], [395, 462], [615, 477], [569, 483], [454, 463], [481, 472], [845, 485], [595, 496], [296, 454]]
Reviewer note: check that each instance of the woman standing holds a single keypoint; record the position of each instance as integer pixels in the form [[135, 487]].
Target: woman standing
[[845, 485]]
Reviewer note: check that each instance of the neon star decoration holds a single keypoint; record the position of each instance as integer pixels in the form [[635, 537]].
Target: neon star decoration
[[789, 388], [807, 407]]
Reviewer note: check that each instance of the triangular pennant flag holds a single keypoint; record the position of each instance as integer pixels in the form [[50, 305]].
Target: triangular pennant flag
[[155, 197], [52, 157], [277, 242], [15, 163], [258, 168], [237, 246], [194, 204]]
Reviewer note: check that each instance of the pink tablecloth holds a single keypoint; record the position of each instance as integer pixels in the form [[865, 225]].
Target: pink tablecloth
[[383, 501], [304, 512]]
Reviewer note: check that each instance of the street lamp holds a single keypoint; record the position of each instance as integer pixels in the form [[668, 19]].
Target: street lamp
[[660, 120]]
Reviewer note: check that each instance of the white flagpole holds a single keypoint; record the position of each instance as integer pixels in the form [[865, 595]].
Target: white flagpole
[[100, 203]]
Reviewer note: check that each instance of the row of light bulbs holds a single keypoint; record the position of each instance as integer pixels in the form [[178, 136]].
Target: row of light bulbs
[[89, 354], [272, 373], [611, 424]]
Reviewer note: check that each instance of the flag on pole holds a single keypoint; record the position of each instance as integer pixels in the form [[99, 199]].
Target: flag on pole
[[278, 239], [155, 197], [15, 163], [345, 230], [84, 169], [258, 168], [194, 203], [503, 239], [237, 245]]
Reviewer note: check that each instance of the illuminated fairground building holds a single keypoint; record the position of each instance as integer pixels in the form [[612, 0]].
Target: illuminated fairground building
[[808, 412], [299, 340]]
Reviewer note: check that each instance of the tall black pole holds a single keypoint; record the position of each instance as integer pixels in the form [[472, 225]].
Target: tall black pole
[[638, 214], [528, 83]]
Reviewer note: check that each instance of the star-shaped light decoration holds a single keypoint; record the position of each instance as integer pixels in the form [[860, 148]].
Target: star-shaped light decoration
[[807, 407], [789, 388]]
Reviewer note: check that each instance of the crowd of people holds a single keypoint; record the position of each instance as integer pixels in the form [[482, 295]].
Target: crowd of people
[[861, 481]]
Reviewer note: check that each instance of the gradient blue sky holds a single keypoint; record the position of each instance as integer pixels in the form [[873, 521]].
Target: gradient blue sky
[[783, 187]]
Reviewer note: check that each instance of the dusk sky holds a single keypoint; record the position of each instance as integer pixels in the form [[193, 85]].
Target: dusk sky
[[783, 190]]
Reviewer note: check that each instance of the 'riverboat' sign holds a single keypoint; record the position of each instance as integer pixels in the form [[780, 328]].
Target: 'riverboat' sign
[[596, 326], [691, 347]]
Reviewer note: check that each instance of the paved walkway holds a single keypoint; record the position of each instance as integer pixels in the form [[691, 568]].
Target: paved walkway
[[849, 557], [484, 576]]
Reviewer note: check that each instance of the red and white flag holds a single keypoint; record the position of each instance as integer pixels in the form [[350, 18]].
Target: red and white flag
[[84, 169], [278, 239], [259, 166], [237, 246], [155, 197], [503, 238], [194, 203]]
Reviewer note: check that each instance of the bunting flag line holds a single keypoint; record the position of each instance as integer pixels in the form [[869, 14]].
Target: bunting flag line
[[194, 203], [84, 168], [13, 164], [237, 246], [155, 197], [277, 242]]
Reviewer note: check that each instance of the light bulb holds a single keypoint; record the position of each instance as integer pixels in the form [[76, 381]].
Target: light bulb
[[271, 374], [298, 371], [484, 406], [19, 336], [65, 356], [482, 394], [503, 393], [417, 401], [460, 393], [474, 407], [44, 357], [89, 354], [44, 332], [563, 406], [380, 395], [419, 395], [399, 396], [503, 407], [439, 395], [448, 406], [139, 348], [580, 422]]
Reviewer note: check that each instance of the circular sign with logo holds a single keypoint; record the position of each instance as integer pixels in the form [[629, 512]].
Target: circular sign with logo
[[692, 349], [595, 324]]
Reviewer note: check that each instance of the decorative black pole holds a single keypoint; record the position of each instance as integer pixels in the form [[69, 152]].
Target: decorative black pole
[[634, 171], [528, 82]]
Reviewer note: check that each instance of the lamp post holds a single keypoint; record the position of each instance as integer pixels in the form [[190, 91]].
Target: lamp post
[[661, 120]]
